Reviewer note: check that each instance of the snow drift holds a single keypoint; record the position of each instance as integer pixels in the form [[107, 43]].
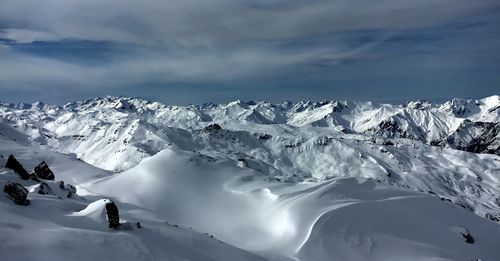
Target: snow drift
[[320, 181]]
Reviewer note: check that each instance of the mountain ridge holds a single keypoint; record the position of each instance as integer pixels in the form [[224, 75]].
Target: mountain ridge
[[267, 178]]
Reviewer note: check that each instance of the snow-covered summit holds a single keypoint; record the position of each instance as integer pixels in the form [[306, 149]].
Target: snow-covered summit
[[303, 141], [256, 180]]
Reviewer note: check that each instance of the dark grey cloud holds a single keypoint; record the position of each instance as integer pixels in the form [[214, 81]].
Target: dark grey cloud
[[113, 47]]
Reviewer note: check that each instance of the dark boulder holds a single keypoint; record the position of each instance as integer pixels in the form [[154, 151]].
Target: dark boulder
[[446, 199], [43, 171], [265, 137], [113, 215], [212, 128], [468, 238], [34, 177], [45, 189], [387, 143], [17, 193], [70, 189], [14, 165]]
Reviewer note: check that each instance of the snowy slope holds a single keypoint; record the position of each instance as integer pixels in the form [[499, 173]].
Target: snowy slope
[[411, 145], [183, 198], [359, 219], [329, 180], [54, 227]]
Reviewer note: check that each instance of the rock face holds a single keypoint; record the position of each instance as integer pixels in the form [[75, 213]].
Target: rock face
[[212, 128], [113, 215], [43, 171], [17, 193], [34, 177], [389, 129], [477, 137], [14, 165]]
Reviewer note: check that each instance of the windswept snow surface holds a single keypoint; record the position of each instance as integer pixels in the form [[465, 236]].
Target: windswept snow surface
[[54, 227], [307, 181], [341, 219]]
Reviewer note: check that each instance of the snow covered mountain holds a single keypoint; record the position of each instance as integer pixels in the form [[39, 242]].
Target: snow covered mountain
[[330, 180]]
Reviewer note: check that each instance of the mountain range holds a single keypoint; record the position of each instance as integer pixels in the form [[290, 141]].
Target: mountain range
[[331, 180]]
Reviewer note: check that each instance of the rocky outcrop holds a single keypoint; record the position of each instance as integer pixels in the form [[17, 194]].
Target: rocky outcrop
[[113, 215], [476, 137], [212, 128], [467, 236], [243, 163], [70, 189], [389, 129], [45, 189], [43, 171], [34, 177], [493, 217], [17, 193], [14, 165]]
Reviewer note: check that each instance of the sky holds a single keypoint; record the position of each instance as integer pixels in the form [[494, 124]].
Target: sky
[[190, 52]]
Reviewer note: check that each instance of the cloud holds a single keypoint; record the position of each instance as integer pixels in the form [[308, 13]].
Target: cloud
[[26, 35], [216, 22], [18, 69], [218, 41]]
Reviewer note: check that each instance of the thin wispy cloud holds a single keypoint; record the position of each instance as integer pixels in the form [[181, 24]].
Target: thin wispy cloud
[[108, 46]]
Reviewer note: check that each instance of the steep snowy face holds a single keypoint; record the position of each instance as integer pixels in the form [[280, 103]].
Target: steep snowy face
[[417, 145]]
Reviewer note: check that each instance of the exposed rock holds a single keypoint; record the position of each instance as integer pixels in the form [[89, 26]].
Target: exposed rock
[[45, 189], [17, 193], [339, 106], [346, 130], [243, 163], [43, 171], [390, 129], [323, 141], [465, 206], [467, 236], [14, 165], [461, 107], [113, 215], [69, 188], [418, 104], [446, 199], [387, 143], [493, 217], [265, 137], [34, 177], [477, 137], [212, 128]]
